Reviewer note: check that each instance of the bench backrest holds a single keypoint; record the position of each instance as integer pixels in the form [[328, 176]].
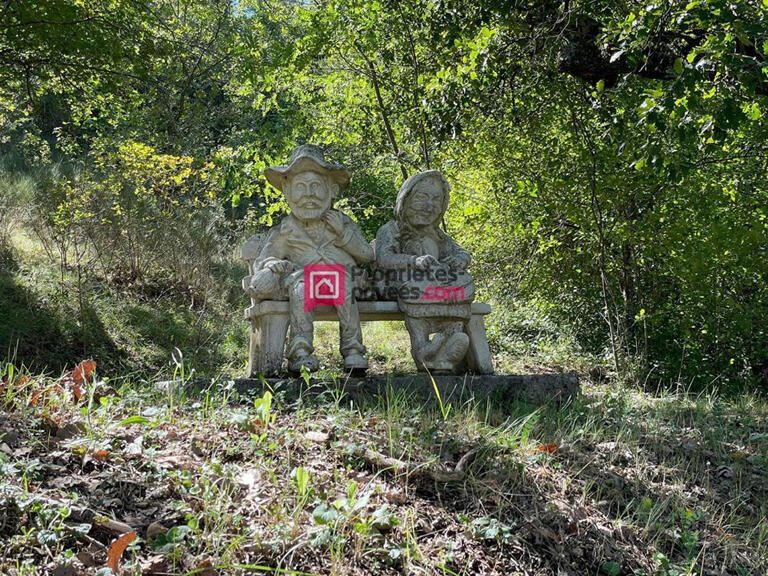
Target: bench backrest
[[252, 248]]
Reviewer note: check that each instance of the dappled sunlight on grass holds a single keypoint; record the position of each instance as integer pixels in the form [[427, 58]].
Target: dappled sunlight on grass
[[616, 479], [388, 347]]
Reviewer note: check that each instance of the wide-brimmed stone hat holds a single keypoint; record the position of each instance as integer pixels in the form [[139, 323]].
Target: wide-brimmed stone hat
[[303, 158]]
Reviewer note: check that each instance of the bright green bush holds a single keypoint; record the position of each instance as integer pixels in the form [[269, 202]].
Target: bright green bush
[[135, 215]]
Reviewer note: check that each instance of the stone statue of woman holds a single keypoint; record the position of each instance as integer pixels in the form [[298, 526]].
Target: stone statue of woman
[[429, 272]]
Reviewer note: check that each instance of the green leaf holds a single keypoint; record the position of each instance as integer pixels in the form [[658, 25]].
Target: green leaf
[[325, 514], [134, 420], [600, 85], [301, 478], [678, 66]]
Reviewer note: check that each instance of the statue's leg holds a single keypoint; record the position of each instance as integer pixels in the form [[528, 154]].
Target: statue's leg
[[351, 334], [450, 357], [300, 348], [267, 344], [421, 347], [451, 327]]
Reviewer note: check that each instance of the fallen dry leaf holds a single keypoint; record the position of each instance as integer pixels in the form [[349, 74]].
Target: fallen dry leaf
[[116, 550], [80, 376], [156, 564], [205, 568], [83, 371], [101, 455], [18, 382], [546, 449]]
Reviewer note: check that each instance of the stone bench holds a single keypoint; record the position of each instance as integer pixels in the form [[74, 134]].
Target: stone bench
[[270, 318], [269, 325]]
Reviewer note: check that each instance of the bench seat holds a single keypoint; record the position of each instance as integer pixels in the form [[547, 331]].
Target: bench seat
[[379, 310], [270, 318]]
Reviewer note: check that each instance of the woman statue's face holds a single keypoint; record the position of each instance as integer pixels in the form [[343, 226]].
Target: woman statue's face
[[424, 205]]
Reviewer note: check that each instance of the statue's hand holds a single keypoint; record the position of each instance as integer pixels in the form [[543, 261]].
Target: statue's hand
[[335, 221], [454, 263], [279, 266], [426, 262]]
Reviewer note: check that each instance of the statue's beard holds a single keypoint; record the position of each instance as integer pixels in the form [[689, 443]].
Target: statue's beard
[[304, 213]]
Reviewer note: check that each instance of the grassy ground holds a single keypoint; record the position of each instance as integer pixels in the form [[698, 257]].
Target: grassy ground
[[616, 482], [213, 482], [50, 318]]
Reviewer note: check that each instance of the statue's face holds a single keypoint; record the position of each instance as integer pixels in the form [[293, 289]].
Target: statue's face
[[308, 195], [425, 203]]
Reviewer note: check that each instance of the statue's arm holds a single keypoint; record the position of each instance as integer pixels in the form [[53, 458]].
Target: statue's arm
[[387, 255], [354, 243], [273, 250], [457, 253]]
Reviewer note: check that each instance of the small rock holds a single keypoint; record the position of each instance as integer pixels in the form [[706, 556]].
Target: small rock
[[64, 570], [86, 558], [155, 529], [70, 430], [9, 437], [316, 436]]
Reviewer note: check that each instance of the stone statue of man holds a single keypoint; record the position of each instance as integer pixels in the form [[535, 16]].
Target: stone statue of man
[[312, 233]]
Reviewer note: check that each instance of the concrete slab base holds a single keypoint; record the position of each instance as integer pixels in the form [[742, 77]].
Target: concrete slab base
[[498, 388]]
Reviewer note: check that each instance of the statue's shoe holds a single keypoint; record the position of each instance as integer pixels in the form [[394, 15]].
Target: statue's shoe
[[355, 362], [308, 361], [451, 354], [432, 347]]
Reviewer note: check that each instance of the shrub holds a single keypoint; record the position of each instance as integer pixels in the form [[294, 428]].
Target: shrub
[[136, 215], [15, 193]]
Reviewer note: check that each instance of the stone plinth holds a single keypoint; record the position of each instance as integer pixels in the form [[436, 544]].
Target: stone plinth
[[498, 389]]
